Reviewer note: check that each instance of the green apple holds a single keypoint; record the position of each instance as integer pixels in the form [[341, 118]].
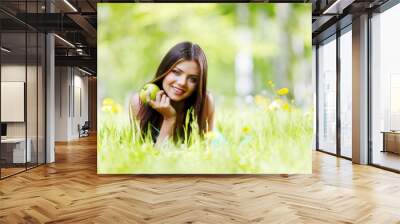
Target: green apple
[[148, 89]]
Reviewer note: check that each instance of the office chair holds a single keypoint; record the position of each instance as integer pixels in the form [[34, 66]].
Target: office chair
[[84, 130]]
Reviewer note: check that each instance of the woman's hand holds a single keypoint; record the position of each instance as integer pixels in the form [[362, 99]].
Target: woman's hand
[[163, 106]]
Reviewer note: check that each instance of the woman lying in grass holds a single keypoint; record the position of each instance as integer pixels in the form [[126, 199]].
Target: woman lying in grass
[[182, 80]]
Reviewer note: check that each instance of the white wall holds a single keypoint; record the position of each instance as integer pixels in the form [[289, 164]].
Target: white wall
[[62, 82], [71, 94]]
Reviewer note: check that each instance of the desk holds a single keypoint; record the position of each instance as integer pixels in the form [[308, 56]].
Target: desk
[[17, 150], [391, 141]]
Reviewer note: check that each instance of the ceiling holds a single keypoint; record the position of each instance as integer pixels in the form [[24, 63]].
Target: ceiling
[[77, 25], [76, 22], [329, 16]]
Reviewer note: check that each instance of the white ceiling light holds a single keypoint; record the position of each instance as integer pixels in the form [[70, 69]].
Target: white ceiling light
[[84, 71], [70, 5], [65, 41], [79, 51], [337, 7], [5, 49]]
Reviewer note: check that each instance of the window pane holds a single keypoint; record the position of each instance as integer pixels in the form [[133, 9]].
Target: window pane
[[346, 94], [386, 89], [327, 96]]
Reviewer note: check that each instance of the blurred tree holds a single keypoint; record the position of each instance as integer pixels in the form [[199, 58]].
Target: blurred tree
[[133, 38]]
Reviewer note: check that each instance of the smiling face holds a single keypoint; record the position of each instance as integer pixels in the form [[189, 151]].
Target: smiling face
[[182, 80]]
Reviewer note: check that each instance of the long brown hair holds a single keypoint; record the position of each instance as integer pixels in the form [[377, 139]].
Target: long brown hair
[[151, 119]]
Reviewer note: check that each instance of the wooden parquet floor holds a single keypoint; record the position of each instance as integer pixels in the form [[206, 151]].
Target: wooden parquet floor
[[70, 191]]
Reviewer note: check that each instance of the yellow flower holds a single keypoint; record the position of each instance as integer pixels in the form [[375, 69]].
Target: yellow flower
[[261, 100], [282, 91], [108, 102], [246, 129], [109, 106], [116, 108], [287, 107], [106, 108]]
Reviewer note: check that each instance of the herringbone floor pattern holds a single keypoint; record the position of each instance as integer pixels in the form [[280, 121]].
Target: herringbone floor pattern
[[70, 191]]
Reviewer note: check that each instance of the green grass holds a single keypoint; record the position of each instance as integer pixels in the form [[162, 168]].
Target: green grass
[[246, 140]]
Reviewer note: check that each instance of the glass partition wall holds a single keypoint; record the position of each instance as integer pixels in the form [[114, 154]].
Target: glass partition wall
[[22, 88], [13, 110]]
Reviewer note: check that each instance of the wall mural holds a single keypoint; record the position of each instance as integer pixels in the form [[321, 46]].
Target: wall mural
[[204, 88]]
